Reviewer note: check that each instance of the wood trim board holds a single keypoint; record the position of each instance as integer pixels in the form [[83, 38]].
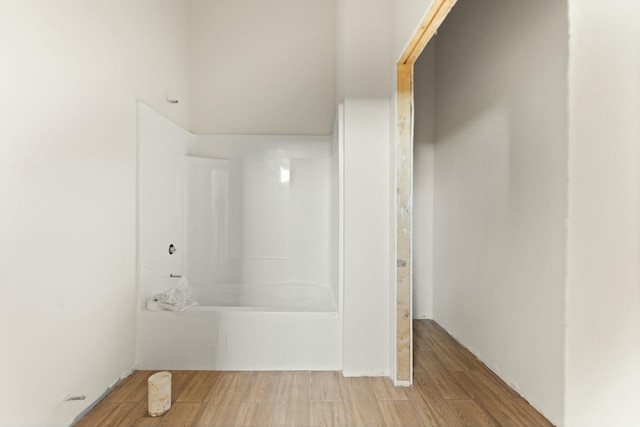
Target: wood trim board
[[404, 185]]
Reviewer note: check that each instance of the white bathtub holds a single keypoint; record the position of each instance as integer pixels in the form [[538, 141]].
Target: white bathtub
[[245, 327]]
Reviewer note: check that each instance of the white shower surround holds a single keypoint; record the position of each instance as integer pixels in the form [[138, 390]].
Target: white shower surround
[[272, 301]]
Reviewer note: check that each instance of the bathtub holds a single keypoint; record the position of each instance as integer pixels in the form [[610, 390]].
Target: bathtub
[[245, 327]]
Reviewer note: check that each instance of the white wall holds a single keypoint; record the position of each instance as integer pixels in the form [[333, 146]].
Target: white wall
[[364, 49], [500, 189], [366, 307], [603, 291], [263, 67], [423, 167], [72, 73]]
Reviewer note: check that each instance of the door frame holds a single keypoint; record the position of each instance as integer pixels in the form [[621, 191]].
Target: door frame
[[404, 186]]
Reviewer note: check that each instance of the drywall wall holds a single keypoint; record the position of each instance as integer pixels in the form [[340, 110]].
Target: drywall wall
[[500, 189], [603, 291], [261, 67], [366, 308], [364, 46], [423, 164], [68, 188]]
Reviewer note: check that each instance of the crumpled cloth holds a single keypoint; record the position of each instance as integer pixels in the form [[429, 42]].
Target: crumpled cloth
[[178, 298]]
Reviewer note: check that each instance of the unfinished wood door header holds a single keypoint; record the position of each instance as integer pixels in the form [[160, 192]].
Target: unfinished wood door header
[[430, 24]]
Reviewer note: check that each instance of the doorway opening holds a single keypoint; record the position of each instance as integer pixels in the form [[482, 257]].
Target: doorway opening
[[485, 114]]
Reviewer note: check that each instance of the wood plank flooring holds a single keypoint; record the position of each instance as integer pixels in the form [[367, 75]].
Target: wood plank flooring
[[451, 388]]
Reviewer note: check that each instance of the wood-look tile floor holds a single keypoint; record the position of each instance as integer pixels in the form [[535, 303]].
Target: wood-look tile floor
[[451, 388]]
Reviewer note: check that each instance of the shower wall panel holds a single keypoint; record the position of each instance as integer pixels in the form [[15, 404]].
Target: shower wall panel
[[161, 149], [278, 210], [212, 234]]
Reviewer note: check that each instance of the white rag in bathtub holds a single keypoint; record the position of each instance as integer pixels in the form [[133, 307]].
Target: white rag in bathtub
[[177, 298]]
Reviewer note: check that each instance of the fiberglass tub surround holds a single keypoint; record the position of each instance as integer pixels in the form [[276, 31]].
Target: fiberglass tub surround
[[253, 220], [258, 214]]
